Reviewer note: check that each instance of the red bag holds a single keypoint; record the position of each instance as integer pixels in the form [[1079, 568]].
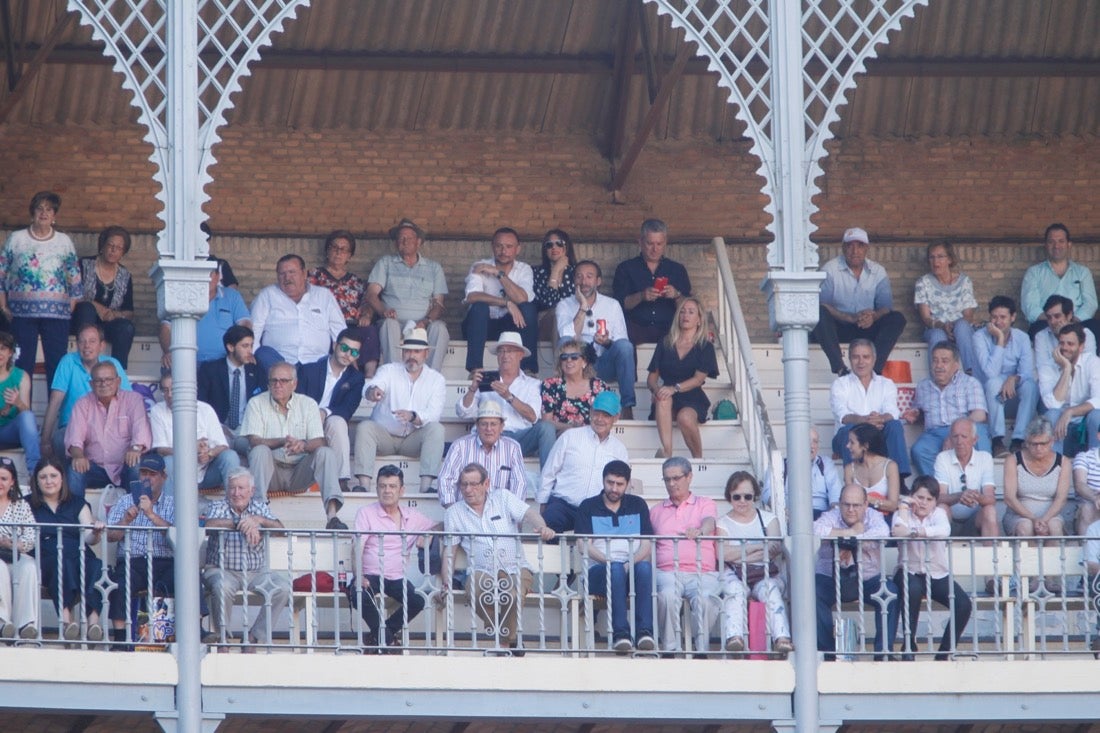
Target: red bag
[[304, 583], [758, 629]]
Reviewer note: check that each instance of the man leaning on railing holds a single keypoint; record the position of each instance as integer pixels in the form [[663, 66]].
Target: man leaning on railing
[[235, 559]]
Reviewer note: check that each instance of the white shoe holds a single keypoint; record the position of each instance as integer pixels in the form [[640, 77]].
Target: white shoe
[[623, 646]]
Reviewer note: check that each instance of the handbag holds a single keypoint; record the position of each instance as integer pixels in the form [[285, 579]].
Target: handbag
[[755, 572]]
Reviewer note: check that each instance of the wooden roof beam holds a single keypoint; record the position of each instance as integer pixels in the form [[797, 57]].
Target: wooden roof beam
[[621, 76], [36, 63]]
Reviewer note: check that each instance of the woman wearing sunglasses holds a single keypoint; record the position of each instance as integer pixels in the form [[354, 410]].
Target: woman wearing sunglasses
[[57, 511], [567, 398], [554, 277], [752, 567], [349, 290], [18, 576]]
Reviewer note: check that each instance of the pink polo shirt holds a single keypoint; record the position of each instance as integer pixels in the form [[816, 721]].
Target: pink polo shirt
[[385, 554], [669, 519]]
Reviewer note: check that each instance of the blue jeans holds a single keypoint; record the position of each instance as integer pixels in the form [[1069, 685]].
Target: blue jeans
[[267, 357], [55, 342], [119, 332], [893, 431], [1023, 406], [559, 515], [826, 598], [617, 599], [97, 478], [930, 443], [1092, 424], [616, 364], [216, 472], [539, 438], [478, 328], [23, 431]]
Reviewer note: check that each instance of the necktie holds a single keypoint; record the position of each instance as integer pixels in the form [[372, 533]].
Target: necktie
[[235, 400]]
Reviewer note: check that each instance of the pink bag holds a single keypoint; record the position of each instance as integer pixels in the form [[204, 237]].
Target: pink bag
[[758, 629]]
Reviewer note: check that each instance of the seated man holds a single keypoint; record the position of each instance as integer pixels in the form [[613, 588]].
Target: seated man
[[72, 380], [1058, 311], [215, 458], [140, 542], [336, 385], [495, 565], [385, 557], [597, 320], [236, 561], [649, 286], [288, 444], [407, 287], [107, 434], [572, 472], [687, 568], [617, 563], [501, 295], [943, 398], [520, 399], [408, 402], [967, 486], [1006, 368], [487, 446], [866, 397], [1072, 392], [1058, 275], [856, 302], [1086, 486], [857, 527], [228, 384], [294, 321], [226, 309]]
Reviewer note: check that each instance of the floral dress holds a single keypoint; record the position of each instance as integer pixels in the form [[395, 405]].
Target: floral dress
[[547, 297], [573, 411]]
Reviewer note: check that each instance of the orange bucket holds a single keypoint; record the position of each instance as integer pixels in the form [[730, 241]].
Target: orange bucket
[[899, 371]]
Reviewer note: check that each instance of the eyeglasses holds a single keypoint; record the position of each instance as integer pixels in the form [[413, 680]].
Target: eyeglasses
[[741, 497], [569, 356], [550, 243], [280, 380], [1037, 443], [339, 248], [104, 380], [673, 479], [348, 350], [847, 505], [962, 481], [468, 484]]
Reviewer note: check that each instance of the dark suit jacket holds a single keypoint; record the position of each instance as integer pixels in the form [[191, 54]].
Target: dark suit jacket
[[346, 395], [213, 384]]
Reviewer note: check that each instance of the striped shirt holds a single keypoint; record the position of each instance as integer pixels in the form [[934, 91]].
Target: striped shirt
[[943, 406], [504, 462], [501, 515], [137, 535]]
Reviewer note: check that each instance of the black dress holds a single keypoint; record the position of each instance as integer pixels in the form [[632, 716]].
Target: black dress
[[673, 370], [48, 521]]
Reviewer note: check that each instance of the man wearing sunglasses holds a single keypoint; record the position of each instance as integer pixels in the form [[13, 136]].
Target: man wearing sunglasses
[[337, 386]]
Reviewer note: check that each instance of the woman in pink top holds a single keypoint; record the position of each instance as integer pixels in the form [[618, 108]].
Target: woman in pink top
[[385, 557], [922, 565]]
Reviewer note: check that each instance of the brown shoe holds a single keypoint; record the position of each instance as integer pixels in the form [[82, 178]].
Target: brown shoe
[[782, 645], [735, 644], [627, 413]]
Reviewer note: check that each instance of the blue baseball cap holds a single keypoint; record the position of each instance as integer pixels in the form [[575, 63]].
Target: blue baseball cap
[[608, 401]]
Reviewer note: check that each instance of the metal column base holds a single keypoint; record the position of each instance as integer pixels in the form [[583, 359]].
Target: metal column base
[[790, 726], [169, 721]]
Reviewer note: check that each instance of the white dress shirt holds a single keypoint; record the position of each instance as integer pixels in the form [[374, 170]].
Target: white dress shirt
[[525, 389], [574, 468], [606, 308], [301, 332], [1045, 343], [1084, 387], [206, 425], [425, 396], [848, 397], [521, 275]]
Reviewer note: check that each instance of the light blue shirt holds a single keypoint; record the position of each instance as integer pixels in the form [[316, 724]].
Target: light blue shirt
[[226, 309], [847, 294], [1015, 357], [1040, 283]]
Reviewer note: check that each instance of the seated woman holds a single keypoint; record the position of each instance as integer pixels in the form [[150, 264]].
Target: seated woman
[[18, 577], [680, 366], [1036, 485], [946, 304], [18, 427], [108, 299], [567, 398], [554, 277], [922, 565], [349, 290], [758, 568], [872, 470], [58, 512]]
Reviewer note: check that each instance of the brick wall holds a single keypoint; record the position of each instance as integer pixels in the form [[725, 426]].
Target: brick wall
[[276, 191]]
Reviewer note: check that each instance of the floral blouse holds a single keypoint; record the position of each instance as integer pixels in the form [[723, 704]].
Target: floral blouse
[[565, 409], [547, 297], [946, 302], [348, 291], [19, 512]]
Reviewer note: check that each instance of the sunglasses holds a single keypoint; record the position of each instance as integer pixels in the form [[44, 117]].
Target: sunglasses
[[348, 350], [571, 356], [741, 497], [5, 461], [553, 243]]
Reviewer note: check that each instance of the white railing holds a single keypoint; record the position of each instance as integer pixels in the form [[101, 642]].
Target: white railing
[[767, 461]]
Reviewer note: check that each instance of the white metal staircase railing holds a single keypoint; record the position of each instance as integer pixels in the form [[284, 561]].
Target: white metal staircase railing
[[767, 461]]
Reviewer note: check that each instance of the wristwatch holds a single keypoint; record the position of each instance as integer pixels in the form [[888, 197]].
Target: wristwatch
[[138, 447]]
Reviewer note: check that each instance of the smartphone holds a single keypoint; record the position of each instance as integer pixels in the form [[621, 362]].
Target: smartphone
[[659, 284], [140, 488], [487, 378]]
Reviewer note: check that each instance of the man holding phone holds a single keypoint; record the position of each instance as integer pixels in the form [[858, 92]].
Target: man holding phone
[[519, 395], [650, 286]]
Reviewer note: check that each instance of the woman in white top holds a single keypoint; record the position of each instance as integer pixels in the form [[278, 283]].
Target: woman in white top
[[871, 469], [922, 565], [18, 571], [945, 302], [758, 567]]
